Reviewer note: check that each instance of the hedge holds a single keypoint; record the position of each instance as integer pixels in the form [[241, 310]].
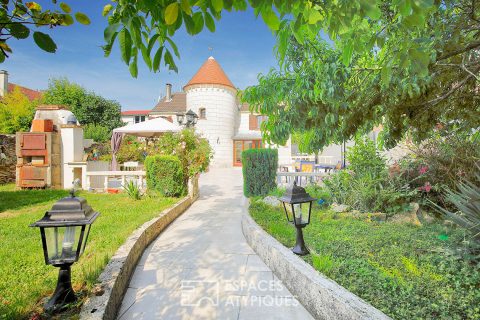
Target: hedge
[[259, 171], [165, 175]]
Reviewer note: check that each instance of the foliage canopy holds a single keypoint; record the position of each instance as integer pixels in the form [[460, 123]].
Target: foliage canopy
[[16, 112], [88, 107]]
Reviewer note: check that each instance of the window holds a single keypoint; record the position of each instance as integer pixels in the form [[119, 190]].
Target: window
[[256, 121], [203, 113], [139, 119]]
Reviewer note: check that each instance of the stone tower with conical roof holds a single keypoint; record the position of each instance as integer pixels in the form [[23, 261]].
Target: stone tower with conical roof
[[212, 96]]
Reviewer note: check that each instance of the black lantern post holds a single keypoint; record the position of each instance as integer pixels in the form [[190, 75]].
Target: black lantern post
[[64, 230], [188, 119], [298, 208]]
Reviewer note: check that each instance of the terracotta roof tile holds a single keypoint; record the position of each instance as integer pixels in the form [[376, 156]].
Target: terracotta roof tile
[[178, 103], [210, 73], [31, 94], [135, 112]]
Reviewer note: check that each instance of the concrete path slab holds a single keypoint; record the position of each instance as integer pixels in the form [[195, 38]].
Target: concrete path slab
[[201, 266]]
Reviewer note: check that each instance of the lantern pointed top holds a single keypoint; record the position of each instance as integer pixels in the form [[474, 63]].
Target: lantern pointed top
[[296, 194]]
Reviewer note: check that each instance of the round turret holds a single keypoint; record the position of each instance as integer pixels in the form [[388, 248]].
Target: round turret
[[212, 95]]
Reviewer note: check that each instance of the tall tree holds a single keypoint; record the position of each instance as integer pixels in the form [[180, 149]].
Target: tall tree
[[407, 74], [16, 112], [88, 107]]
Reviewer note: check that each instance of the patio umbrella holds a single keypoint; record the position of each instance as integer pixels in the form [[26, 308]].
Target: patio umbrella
[[150, 128]]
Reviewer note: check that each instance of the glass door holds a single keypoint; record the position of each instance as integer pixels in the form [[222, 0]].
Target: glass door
[[237, 153]]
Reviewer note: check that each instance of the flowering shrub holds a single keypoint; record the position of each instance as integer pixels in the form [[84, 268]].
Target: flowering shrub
[[193, 151], [368, 185]]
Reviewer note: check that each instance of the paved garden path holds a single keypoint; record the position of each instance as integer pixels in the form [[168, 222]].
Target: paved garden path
[[201, 267]]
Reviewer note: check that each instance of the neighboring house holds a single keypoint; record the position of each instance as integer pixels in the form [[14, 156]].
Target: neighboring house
[[6, 87], [134, 116]]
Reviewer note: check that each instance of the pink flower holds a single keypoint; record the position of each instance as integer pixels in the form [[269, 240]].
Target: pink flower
[[423, 169], [427, 186]]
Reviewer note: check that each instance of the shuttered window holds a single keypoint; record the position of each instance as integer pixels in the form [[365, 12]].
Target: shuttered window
[[252, 123]]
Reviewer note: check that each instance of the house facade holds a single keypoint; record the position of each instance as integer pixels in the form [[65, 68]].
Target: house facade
[[134, 116], [228, 125]]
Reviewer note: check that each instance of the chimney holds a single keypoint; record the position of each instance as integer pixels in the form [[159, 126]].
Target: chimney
[[3, 83], [168, 94]]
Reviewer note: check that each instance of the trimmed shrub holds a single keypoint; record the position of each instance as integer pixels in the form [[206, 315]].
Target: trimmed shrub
[[259, 171], [165, 175]]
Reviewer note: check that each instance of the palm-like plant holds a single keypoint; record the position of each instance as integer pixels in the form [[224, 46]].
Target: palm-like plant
[[467, 201], [133, 190]]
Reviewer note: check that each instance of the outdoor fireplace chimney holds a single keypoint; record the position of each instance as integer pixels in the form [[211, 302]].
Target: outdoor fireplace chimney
[[3, 83], [168, 95]]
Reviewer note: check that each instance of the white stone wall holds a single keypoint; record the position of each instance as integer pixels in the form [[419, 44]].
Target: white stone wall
[[220, 122], [244, 123], [128, 119]]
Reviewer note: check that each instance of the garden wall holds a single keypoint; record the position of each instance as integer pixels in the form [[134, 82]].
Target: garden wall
[[8, 159], [321, 296]]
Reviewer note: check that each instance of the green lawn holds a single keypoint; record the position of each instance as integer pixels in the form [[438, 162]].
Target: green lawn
[[24, 277], [403, 270]]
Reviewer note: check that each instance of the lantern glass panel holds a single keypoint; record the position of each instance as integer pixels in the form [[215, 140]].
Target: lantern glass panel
[[288, 211], [301, 213], [180, 118], [63, 243]]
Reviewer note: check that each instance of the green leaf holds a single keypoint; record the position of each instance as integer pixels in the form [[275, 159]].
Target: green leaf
[[67, 20], [2, 57], [186, 7], [109, 31], [82, 18], [374, 12], [170, 62], [209, 22], [174, 47], [198, 21], [189, 24], [157, 58], [106, 9], [314, 16], [146, 56], [44, 42], [217, 5], [65, 7], [171, 13], [135, 27], [405, 7], [415, 20], [125, 42], [347, 53], [386, 75], [133, 67], [271, 18], [151, 43], [19, 30]]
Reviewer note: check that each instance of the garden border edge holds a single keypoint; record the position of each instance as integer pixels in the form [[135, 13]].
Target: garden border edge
[[114, 279], [321, 296]]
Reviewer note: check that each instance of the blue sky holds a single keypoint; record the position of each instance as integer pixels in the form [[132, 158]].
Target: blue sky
[[242, 44]]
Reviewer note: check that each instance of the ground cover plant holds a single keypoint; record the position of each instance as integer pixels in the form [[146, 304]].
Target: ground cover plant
[[406, 271], [24, 277]]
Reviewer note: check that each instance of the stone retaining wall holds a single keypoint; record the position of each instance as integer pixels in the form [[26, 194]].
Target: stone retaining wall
[[321, 296], [113, 282]]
